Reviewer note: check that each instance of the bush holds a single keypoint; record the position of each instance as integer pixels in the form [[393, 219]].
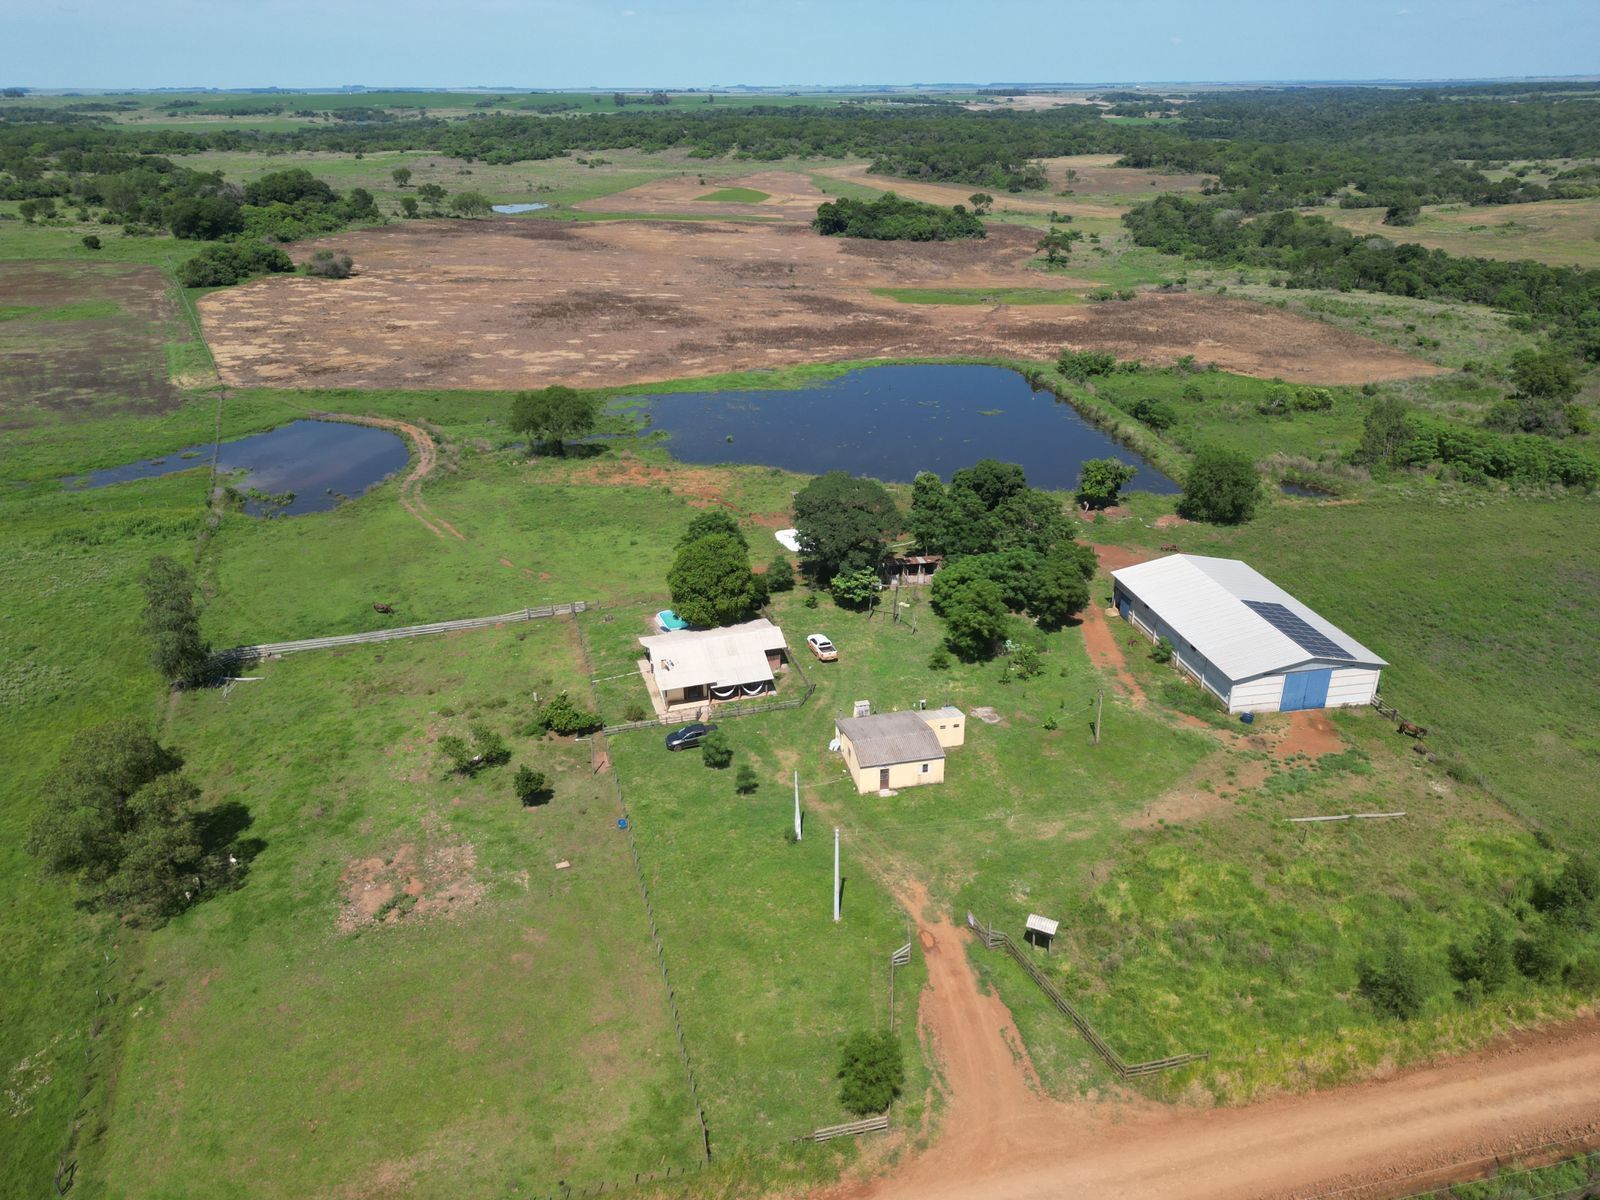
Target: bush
[[1392, 980], [780, 576], [1192, 393], [560, 715], [1222, 487], [1485, 964], [1313, 400], [231, 262], [491, 749], [891, 218], [635, 711], [940, 659], [1162, 651], [715, 751], [1079, 365], [1026, 661], [530, 787], [872, 1073], [458, 754], [91, 241], [1570, 897], [325, 264], [745, 781], [1542, 955]]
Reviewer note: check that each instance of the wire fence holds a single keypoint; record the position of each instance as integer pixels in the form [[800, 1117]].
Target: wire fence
[[992, 938], [601, 757]]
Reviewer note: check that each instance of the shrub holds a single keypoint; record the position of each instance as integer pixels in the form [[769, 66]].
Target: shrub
[[1313, 400], [458, 754], [872, 1072], [715, 751], [1080, 365], [1026, 661], [530, 787], [325, 264], [635, 711], [891, 218], [1542, 955], [491, 748], [1570, 897], [229, 263], [1391, 979], [560, 715], [1100, 481], [780, 576], [745, 781], [1485, 964], [91, 241], [1162, 651], [940, 659], [1192, 393]]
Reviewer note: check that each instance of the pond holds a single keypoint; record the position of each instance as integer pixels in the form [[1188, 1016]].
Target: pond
[[321, 462], [514, 209], [892, 422]]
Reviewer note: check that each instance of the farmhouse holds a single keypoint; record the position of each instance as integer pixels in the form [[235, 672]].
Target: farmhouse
[[694, 666], [900, 749], [1245, 638]]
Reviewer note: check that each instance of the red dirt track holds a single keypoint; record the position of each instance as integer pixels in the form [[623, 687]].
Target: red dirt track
[[510, 303], [1418, 1128]]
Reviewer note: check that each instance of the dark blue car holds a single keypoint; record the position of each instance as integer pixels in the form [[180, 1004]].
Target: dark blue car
[[689, 736]]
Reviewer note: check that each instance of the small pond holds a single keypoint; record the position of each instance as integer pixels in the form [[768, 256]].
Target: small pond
[[891, 422], [321, 462], [514, 209]]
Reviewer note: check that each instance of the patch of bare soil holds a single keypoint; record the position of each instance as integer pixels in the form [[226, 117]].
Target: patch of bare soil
[[409, 885], [509, 304], [1309, 733], [93, 365]]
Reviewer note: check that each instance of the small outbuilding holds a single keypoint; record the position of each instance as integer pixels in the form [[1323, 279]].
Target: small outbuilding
[[896, 750], [1244, 638], [1040, 931], [692, 667]]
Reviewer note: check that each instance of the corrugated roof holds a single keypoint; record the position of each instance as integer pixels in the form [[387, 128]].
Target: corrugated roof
[[1043, 925], [1203, 600], [726, 657], [889, 738]]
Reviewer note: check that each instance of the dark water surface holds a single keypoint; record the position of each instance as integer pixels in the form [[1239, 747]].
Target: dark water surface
[[321, 462], [891, 422]]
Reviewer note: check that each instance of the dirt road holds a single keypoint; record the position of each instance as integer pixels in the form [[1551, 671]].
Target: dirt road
[[411, 485], [1387, 1138]]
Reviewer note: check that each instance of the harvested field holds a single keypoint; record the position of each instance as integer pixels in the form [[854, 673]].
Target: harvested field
[[76, 340], [507, 304], [789, 194]]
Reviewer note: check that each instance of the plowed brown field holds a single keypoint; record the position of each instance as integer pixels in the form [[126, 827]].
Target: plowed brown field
[[508, 304]]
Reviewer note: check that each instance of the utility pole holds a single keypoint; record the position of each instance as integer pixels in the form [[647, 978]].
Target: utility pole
[[1099, 706], [897, 599], [836, 873], [797, 830]]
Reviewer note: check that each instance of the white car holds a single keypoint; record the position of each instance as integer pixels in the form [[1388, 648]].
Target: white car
[[822, 647]]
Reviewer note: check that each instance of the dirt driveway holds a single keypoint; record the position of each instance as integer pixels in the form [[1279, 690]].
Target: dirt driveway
[[1003, 1141], [510, 304]]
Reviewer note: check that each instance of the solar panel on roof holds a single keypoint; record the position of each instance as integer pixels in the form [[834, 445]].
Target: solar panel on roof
[[1319, 645]]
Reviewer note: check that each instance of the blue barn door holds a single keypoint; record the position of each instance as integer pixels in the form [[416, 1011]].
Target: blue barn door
[[1305, 689], [1123, 604]]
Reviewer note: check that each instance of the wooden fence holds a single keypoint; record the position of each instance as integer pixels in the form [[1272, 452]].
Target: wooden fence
[[849, 1129], [993, 938], [267, 649]]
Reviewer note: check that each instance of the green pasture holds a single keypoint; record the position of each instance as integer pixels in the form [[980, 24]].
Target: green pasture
[[735, 195]]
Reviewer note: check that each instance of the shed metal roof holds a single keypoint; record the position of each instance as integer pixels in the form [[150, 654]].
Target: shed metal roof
[[1204, 599], [726, 657], [1042, 925], [885, 739]]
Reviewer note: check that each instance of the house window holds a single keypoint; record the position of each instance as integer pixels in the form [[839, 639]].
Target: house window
[[925, 768]]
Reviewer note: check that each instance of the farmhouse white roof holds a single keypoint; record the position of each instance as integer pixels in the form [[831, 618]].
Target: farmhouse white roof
[[1205, 601], [729, 656]]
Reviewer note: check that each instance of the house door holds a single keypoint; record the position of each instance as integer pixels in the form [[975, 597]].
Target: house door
[[883, 779], [1123, 604], [1305, 689]]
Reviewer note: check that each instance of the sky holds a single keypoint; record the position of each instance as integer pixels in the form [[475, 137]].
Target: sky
[[698, 43]]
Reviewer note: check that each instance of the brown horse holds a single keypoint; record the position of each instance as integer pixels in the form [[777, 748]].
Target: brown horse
[[382, 608]]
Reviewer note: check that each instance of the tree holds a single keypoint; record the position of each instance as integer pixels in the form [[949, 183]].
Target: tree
[[172, 621], [458, 754], [1100, 480], [715, 751], [91, 241], [530, 787], [1385, 433], [491, 749], [561, 716], [431, 194], [1571, 896], [710, 523], [408, 206], [974, 613], [855, 588], [1391, 979], [842, 523], [289, 187], [552, 415], [745, 781], [1405, 213], [1544, 375], [204, 218], [119, 817], [401, 176], [871, 1071], [1059, 589], [981, 203], [1222, 487], [470, 204], [1057, 244], [712, 583]]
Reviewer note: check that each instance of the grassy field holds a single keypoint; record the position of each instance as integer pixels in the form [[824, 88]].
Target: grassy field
[[507, 1030], [1564, 233], [735, 195]]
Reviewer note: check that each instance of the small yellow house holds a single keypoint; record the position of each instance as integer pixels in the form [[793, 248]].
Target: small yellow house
[[899, 750]]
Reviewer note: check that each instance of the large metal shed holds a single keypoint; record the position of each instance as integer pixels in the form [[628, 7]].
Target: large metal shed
[[1243, 637]]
